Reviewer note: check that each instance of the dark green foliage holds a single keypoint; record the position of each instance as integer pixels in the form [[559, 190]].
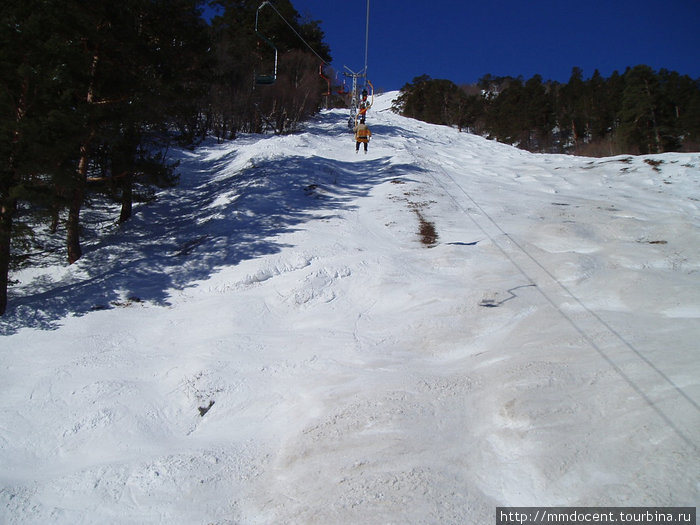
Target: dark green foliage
[[432, 100], [237, 102], [93, 94], [641, 111]]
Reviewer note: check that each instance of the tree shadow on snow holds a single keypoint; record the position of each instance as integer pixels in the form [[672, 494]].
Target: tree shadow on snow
[[213, 219]]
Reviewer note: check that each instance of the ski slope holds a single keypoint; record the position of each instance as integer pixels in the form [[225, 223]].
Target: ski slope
[[274, 340]]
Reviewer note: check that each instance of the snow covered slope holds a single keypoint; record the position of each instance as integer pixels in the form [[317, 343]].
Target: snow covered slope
[[283, 339]]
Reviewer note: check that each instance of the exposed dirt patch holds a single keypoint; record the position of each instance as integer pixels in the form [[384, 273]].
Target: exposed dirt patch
[[654, 164], [427, 231]]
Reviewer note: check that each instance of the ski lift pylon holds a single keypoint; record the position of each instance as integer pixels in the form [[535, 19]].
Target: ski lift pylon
[[359, 107], [342, 89]]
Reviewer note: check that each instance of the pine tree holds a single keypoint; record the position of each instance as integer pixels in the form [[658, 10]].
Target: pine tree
[[87, 82], [640, 118], [507, 113], [678, 120], [573, 116], [538, 113], [437, 101], [39, 126], [135, 81], [690, 120], [600, 117], [238, 105]]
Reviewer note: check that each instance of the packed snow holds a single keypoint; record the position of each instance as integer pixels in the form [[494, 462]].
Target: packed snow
[[301, 334]]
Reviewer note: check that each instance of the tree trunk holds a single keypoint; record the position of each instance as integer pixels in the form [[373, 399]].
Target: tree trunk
[[127, 197], [55, 217], [73, 223], [7, 212], [124, 161], [9, 205], [76, 203], [78, 190]]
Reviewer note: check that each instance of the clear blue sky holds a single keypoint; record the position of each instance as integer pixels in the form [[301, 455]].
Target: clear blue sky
[[462, 40]]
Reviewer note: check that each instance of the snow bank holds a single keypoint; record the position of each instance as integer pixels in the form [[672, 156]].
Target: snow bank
[[271, 342]]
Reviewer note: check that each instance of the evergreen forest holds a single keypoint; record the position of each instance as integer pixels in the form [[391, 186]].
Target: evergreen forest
[[94, 94], [641, 111]]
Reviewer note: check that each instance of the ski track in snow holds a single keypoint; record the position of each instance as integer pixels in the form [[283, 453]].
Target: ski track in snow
[[272, 342]]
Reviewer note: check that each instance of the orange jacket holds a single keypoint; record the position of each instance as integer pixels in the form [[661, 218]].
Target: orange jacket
[[362, 133]]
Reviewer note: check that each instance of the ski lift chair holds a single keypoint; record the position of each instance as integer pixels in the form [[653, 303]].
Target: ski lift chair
[[269, 78]]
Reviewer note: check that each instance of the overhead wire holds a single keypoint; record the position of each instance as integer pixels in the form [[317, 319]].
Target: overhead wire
[[267, 2], [582, 332], [366, 39]]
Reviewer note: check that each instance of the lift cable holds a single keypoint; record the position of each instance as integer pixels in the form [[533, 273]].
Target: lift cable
[[366, 39], [585, 334], [267, 2], [355, 102]]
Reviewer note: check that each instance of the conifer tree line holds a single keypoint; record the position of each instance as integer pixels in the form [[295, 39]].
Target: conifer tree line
[[641, 111], [92, 95]]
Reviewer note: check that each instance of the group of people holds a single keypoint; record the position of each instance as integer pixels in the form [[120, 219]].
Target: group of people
[[362, 132]]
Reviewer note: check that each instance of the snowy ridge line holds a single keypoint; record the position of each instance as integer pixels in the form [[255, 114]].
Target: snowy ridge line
[[588, 338]]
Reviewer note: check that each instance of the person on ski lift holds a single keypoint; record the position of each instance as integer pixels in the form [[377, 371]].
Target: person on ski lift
[[362, 135], [364, 104]]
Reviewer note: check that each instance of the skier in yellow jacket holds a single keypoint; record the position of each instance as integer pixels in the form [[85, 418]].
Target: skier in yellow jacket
[[362, 135]]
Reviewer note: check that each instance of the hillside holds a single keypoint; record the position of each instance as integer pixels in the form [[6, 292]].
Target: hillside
[[302, 334]]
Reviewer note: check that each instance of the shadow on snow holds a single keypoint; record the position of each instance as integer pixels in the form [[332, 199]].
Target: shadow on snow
[[211, 220]]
